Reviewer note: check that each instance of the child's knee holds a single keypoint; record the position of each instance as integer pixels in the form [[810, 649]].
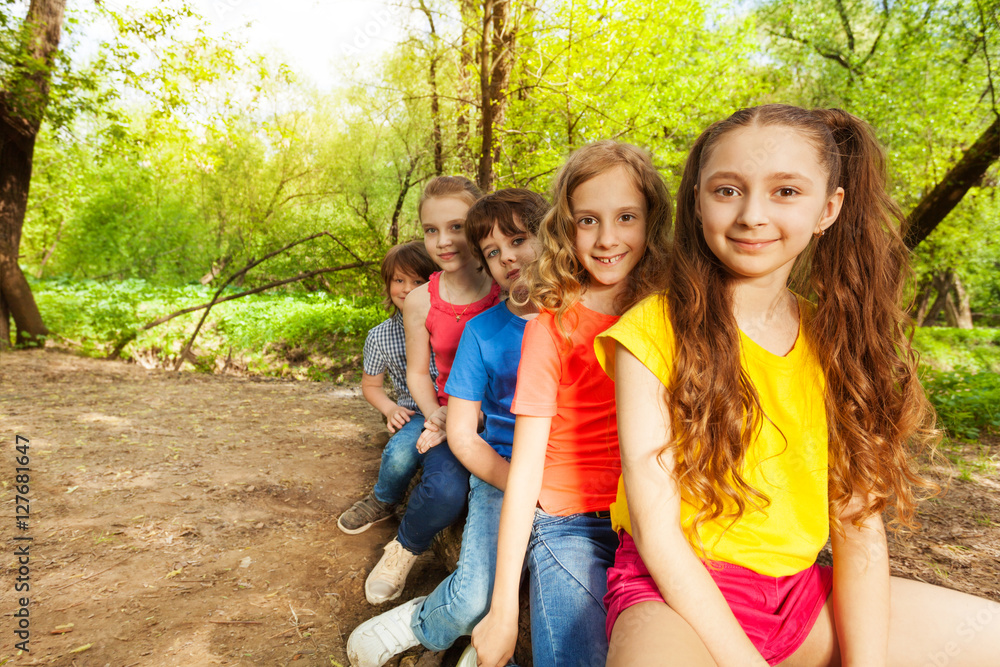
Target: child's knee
[[445, 489]]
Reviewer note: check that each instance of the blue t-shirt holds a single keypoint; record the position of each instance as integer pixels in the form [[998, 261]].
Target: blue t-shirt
[[485, 369]]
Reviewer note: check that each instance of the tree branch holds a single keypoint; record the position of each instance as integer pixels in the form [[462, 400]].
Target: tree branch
[[846, 22], [946, 195]]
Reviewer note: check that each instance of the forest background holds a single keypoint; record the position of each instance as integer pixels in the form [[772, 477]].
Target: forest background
[[173, 198], [168, 165]]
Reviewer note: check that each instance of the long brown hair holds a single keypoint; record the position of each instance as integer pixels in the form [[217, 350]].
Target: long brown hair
[[557, 278], [877, 413]]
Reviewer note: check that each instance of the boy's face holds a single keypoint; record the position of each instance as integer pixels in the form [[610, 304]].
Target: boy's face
[[507, 255], [402, 283]]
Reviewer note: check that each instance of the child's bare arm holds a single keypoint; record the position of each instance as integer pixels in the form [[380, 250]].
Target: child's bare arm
[[373, 389], [654, 510], [468, 447], [861, 589], [418, 351], [496, 634]]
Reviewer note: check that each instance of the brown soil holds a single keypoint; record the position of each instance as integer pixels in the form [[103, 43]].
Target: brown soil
[[181, 519]]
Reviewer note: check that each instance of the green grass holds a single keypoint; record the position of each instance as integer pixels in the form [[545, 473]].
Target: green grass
[[967, 403], [307, 335], [947, 349], [960, 370]]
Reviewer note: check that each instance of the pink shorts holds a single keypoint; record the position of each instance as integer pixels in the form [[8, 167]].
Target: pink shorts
[[777, 613]]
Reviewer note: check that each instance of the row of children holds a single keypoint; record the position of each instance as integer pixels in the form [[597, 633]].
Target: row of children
[[659, 430]]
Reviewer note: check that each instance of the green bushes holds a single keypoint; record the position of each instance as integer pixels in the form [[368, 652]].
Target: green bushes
[[947, 349], [310, 335], [967, 404], [961, 373]]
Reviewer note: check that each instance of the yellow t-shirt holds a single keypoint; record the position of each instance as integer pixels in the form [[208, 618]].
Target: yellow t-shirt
[[784, 537]]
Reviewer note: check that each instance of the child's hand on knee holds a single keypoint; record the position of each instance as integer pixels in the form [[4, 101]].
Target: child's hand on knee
[[397, 418], [431, 437], [494, 641]]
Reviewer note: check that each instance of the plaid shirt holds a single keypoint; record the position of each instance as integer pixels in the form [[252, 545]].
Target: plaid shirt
[[385, 350]]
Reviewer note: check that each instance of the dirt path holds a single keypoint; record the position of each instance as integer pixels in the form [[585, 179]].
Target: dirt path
[[181, 519]]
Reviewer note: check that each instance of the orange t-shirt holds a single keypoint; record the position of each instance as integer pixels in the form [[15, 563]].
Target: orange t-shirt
[[562, 379]]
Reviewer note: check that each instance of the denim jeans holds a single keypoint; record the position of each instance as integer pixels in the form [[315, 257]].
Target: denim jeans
[[463, 598], [568, 560], [436, 502], [400, 459]]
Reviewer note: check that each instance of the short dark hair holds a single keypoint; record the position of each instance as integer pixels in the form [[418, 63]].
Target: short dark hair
[[411, 258], [504, 208]]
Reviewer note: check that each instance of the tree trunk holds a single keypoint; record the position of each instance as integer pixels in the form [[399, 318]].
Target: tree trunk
[[20, 118], [495, 61], [943, 288], [484, 175], [957, 306], [404, 188], [946, 195], [922, 303], [51, 251], [504, 33], [436, 134], [466, 60], [4, 324]]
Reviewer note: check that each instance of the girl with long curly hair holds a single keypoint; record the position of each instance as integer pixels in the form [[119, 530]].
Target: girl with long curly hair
[[601, 245], [756, 424]]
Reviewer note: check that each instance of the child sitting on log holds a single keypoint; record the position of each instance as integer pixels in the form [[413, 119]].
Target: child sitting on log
[[500, 228]]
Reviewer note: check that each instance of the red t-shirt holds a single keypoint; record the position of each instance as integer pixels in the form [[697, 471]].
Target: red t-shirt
[[562, 379], [445, 323]]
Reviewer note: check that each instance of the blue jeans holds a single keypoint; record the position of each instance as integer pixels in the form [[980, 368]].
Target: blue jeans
[[436, 502], [463, 598], [400, 459], [568, 560]]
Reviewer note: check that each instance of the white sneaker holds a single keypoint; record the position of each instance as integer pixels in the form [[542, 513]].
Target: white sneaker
[[377, 640], [469, 658], [386, 581]]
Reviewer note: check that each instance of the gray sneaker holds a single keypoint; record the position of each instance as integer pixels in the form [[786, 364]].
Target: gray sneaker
[[363, 514]]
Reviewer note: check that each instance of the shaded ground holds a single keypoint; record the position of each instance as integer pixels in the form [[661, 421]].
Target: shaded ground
[[182, 519]]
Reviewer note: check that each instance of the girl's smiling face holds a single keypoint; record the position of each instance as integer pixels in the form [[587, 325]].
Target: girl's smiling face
[[609, 212], [442, 219], [761, 197]]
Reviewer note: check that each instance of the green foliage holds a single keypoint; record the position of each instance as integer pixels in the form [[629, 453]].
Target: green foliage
[[971, 350], [961, 374], [297, 320], [172, 154], [968, 242], [311, 335], [95, 316], [923, 75], [967, 404]]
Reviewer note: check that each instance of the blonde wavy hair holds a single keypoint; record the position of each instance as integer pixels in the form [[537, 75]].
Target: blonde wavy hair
[[557, 279]]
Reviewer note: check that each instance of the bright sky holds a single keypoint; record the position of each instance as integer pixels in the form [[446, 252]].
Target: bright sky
[[313, 36]]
